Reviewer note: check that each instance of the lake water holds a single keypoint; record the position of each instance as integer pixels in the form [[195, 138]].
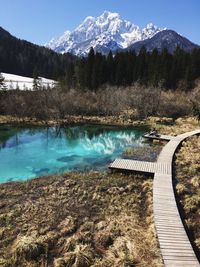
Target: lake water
[[30, 152]]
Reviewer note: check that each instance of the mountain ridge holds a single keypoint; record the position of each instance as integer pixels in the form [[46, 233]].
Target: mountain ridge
[[104, 33], [168, 39]]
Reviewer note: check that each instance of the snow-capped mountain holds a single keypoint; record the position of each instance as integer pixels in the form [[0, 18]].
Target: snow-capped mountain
[[104, 33]]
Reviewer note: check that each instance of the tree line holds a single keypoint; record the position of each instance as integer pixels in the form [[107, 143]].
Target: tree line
[[24, 58], [157, 69], [126, 68]]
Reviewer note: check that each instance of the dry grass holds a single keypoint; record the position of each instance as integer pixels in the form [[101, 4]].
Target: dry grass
[[188, 177], [80, 220], [149, 153], [181, 125]]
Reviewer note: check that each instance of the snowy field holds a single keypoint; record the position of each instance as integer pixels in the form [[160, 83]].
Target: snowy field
[[24, 83]]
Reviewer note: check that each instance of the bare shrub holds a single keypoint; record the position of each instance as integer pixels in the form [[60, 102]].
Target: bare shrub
[[134, 102], [174, 104]]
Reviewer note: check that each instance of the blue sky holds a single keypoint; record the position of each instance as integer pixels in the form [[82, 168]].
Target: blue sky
[[40, 20]]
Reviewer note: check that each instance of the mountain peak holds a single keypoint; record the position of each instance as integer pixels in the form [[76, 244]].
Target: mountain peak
[[88, 19], [150, 26], [109, 15], [104, 33]]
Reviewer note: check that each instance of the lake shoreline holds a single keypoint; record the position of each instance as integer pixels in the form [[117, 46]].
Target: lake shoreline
[[96, 120]]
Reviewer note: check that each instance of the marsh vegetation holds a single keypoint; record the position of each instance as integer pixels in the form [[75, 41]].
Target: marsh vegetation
[[132, 103], [188, 185], [91, 219]]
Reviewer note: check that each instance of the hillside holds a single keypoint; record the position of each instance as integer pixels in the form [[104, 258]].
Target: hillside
[[168, 39], [24, 58]]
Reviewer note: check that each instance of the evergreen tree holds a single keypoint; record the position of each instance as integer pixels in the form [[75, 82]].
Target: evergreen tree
[[189, 78], [80, 73], [36, 81], [110, 68], [142, 66], [70, 75], [120, 69], [89, 68], [99, 74], [153, 68], [2, 83]]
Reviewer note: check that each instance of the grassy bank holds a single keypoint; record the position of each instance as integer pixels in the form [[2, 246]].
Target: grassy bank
[[93, 219], [188, 184], [108, 120], [179, 126]]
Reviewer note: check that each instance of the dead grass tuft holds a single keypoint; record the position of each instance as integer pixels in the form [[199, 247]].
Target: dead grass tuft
[[28, 247], [67, 226], [89, 219]]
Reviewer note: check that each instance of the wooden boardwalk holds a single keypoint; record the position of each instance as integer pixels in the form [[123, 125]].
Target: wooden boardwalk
[[140, 166], [160, 137], [176, 249], [175, 246]]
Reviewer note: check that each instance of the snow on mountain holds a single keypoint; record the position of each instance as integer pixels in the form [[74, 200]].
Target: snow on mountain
[[104, 33], [13, 81]]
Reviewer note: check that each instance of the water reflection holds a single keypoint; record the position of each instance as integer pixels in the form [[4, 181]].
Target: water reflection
[[37, 151]]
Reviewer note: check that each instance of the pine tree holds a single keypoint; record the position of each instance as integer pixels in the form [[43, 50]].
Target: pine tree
[[110, 68], [36, 81], [89, 68], [153, 68], [70, 76], [2, 83], [150, 69], [142, 66]]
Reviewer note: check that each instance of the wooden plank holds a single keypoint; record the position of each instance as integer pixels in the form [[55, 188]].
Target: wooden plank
[[174, 250], [179, 257], [133, 165], [170, 232], [140, 166], [172, 263], [175, 246], [178, 253]]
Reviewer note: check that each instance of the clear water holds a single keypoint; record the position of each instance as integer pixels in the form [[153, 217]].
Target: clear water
[[30, 152]]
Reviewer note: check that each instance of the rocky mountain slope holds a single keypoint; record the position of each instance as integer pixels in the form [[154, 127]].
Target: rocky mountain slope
[[165, 39], [104, 33]]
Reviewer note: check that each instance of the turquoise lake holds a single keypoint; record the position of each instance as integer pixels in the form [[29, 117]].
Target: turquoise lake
[[26, 153]]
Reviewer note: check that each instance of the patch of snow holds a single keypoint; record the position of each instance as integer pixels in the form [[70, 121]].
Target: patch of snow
[[13, 81]]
